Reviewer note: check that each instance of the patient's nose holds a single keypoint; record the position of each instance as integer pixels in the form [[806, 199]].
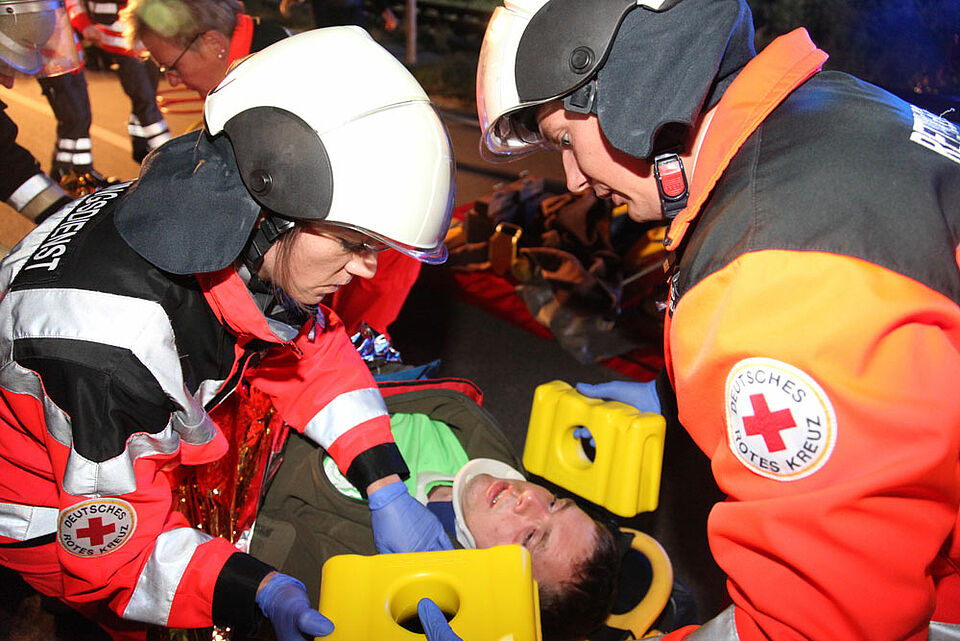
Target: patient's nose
[[529, 503]]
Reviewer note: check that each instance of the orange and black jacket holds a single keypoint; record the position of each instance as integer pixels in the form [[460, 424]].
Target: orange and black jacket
[[813, 343], [109, 368]]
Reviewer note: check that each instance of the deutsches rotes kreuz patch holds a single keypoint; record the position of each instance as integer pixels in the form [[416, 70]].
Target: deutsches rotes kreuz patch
[[780, 423], [96, 526]]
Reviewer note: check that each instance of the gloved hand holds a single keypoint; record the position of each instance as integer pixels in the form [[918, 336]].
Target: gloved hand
[[584, 432], [402, 524], [642, 396], [284, 601], [434, 624]]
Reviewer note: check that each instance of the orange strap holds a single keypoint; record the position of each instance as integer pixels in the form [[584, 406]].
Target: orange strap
[[763, 84]]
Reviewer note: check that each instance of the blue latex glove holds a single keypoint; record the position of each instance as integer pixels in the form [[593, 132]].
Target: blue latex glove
[[584, 432], [642, 396], [284, 601], [434, 624], [402, 524]]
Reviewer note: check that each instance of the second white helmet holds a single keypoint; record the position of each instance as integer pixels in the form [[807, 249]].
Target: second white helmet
[[328, 125]]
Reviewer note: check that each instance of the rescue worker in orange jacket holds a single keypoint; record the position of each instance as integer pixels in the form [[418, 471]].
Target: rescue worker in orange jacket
[[812, 332], [133, 311]]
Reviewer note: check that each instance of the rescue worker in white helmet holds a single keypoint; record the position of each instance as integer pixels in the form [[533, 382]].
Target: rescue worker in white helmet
[[35, 39], [132, 312], [812, 332]]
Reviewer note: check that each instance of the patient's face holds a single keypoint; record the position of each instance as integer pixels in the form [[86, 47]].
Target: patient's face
[[557, 533]]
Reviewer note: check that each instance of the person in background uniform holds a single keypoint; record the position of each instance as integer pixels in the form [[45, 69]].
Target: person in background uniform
[[195, 43], [464, 470], [36, 40], [812, 332], [97, 22], [128, 317]]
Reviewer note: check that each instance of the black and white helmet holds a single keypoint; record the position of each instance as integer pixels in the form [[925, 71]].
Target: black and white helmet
[[638, 64]]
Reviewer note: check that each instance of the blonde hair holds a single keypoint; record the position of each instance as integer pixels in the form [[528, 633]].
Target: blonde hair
[[178, 21]]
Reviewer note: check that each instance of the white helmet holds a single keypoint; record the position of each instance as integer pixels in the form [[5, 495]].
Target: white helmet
[[36, 37], [328, 125]]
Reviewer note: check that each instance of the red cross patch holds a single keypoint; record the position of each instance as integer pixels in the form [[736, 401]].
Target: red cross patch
[[780, 422], [96, 526]]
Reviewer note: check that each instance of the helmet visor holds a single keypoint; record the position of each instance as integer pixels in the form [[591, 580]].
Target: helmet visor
[[508, 129], [393, 178], [36, 38]]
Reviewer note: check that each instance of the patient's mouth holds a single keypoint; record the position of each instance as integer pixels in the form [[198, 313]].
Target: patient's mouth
[[496, 491]]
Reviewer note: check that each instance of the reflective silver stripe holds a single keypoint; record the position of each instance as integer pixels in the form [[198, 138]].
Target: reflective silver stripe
[[116, 476], [146, 131], [20, 380], [158, 582], [940, 631], [722, 627], [207, 390], [155, 141], [73, 144], [103, 7], [75, 159], [343, 413], [29, 190], [138, 325], [25, 522], [118, 42]]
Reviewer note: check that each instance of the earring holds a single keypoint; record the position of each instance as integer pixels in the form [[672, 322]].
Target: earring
[[220, 55]]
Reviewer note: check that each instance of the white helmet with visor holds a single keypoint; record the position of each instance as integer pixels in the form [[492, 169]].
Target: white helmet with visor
[[353, 142]]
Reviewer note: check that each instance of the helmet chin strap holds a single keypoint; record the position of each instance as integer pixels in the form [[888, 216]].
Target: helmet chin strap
[[270, 229], [671, 183]]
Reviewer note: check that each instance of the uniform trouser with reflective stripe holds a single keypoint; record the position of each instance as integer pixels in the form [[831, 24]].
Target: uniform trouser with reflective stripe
[[39, 567], [70, 102], [148, 129]]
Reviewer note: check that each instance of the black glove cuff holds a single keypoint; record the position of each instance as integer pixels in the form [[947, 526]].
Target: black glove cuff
[[373, 464], [235, 593]]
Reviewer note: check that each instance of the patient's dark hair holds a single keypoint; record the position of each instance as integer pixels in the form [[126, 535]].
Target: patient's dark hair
[[578, 607]]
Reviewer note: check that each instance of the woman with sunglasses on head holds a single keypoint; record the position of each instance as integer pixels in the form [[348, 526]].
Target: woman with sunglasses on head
[[135, 311]]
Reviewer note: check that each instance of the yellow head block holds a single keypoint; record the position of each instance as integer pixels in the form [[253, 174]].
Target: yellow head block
[[490, 593], [624, 475]]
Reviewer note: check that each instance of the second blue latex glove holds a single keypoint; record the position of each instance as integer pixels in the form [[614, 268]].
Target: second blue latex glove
[[402, 524], [284, 601], [434, 624], [642, 396]]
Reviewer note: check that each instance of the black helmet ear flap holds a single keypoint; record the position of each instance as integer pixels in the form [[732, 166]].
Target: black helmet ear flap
[[282, 161], [564, 45]]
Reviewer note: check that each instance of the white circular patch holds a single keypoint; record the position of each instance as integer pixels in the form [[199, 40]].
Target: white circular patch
[[780, 423], [96, 526]]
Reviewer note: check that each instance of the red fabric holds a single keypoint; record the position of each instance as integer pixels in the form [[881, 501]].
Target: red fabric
[[241, 38], [378, 300], [462, 385]]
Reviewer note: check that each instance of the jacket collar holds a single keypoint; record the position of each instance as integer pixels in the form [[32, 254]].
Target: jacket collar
[[231, 301], [241, 39], [764, 83]]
